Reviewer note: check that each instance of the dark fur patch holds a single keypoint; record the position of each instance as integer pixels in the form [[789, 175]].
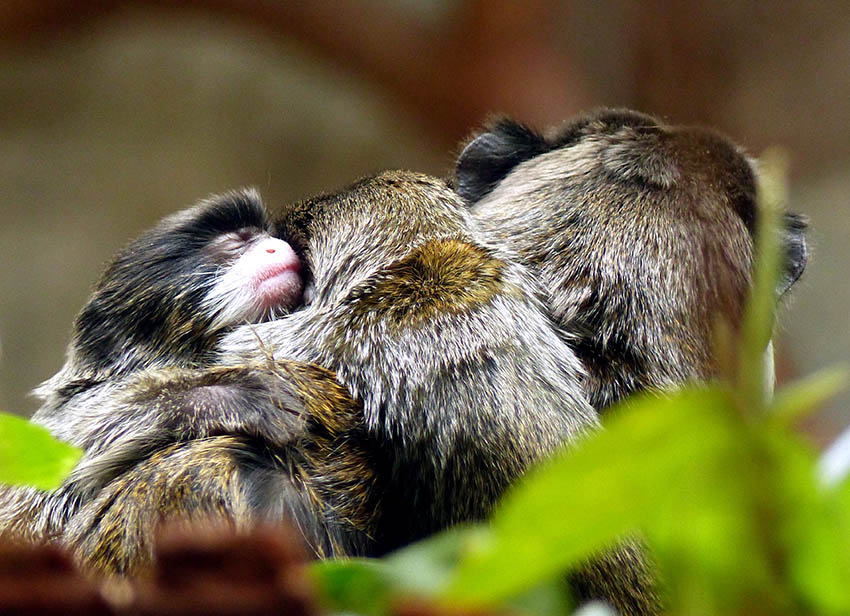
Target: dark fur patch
[[490, 156], [440, 277], [796, 251], [228, 212]]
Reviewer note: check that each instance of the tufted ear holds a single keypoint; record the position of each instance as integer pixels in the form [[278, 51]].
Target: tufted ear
[[796, 252], [491, 155]]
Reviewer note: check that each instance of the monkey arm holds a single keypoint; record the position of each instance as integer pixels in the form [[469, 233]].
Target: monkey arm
[[268, 402], [264, 400], [222, 476], [277, 441], [113, 532]]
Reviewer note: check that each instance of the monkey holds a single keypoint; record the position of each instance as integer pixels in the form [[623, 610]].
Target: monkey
[[463, 381], [642, 236], [641, 233], [163, 303], [420, 322], [138, 380]]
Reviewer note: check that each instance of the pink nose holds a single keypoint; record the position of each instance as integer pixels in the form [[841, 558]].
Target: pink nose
[[278, 252]]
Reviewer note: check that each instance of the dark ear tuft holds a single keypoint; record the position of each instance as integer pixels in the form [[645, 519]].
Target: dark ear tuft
[[490, 156], [796, 253]]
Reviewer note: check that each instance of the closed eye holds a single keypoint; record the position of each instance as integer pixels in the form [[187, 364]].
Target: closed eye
[[247, 234], [228, 246]]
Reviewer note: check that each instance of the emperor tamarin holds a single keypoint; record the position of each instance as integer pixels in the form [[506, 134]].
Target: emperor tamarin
[[640, 232], [139, 381]]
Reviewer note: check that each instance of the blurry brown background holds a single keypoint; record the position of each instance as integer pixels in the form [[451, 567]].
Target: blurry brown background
[[113, 114]]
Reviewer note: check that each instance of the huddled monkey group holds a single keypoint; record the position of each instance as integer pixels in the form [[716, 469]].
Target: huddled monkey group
[[380, 363]]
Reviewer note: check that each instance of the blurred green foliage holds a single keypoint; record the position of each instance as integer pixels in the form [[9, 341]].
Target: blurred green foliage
[[714, 477], [30, 456]]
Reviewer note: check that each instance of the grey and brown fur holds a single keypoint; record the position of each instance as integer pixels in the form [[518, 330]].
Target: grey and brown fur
[[640, 232], [463, 381], [442, 337], [139, 385], [642, 236]]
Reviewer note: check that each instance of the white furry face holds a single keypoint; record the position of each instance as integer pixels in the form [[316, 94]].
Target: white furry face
[[258, 277]]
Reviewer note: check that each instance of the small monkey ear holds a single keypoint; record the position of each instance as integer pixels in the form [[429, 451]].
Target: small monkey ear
[[490, 156], [796, 252]]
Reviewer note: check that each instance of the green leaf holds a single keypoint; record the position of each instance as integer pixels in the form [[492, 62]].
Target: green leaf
[[758, 319], [806, 395], [656, 449], [29, 455], [357, 585], [426, 567], [813, 528], [371, 586], [551, 599]]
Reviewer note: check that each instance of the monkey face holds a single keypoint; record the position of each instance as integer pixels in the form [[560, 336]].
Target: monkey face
[[242, 272], [260, 278], [169, 295]]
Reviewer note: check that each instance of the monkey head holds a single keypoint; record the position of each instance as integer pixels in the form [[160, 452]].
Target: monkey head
[[641, 233], [164, 302], [166, 297]]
